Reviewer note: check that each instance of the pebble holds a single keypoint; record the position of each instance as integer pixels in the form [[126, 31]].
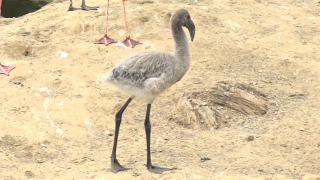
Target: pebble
[[29, 174], [16, 82], [108, 133], [25, 33], [39, 160], [205, 159], [78, 96], [250, 138]]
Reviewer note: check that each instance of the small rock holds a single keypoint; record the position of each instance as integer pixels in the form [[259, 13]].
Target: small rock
[[132, 161], [250, 138], [135, 174], [39, 160], [29, 174], [301, 129], [25, 33], [59, 72], [57, 78], [108, 133], [78, 96], [79, 160], [16, 82], [205, 159]]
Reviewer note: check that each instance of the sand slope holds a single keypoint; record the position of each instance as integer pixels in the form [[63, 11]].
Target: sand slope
[[57, 119]]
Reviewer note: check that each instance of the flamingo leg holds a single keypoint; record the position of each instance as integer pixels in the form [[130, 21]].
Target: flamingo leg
[[147, 127], [83, 7], [128, 41], [105, 39], [115, 165]]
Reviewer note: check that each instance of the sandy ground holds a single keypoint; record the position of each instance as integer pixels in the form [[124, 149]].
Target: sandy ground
[[57, 119]]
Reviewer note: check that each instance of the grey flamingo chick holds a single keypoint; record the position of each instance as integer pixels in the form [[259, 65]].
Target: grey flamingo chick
[[83, 7], [146, 75]]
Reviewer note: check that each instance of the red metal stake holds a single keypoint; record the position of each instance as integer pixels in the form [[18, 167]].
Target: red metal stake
[[105, 39]]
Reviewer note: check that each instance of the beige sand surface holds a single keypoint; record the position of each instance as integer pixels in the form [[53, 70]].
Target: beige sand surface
[[58, 123]]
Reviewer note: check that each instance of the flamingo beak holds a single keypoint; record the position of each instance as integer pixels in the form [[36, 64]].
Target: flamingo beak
[[192, 29]]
